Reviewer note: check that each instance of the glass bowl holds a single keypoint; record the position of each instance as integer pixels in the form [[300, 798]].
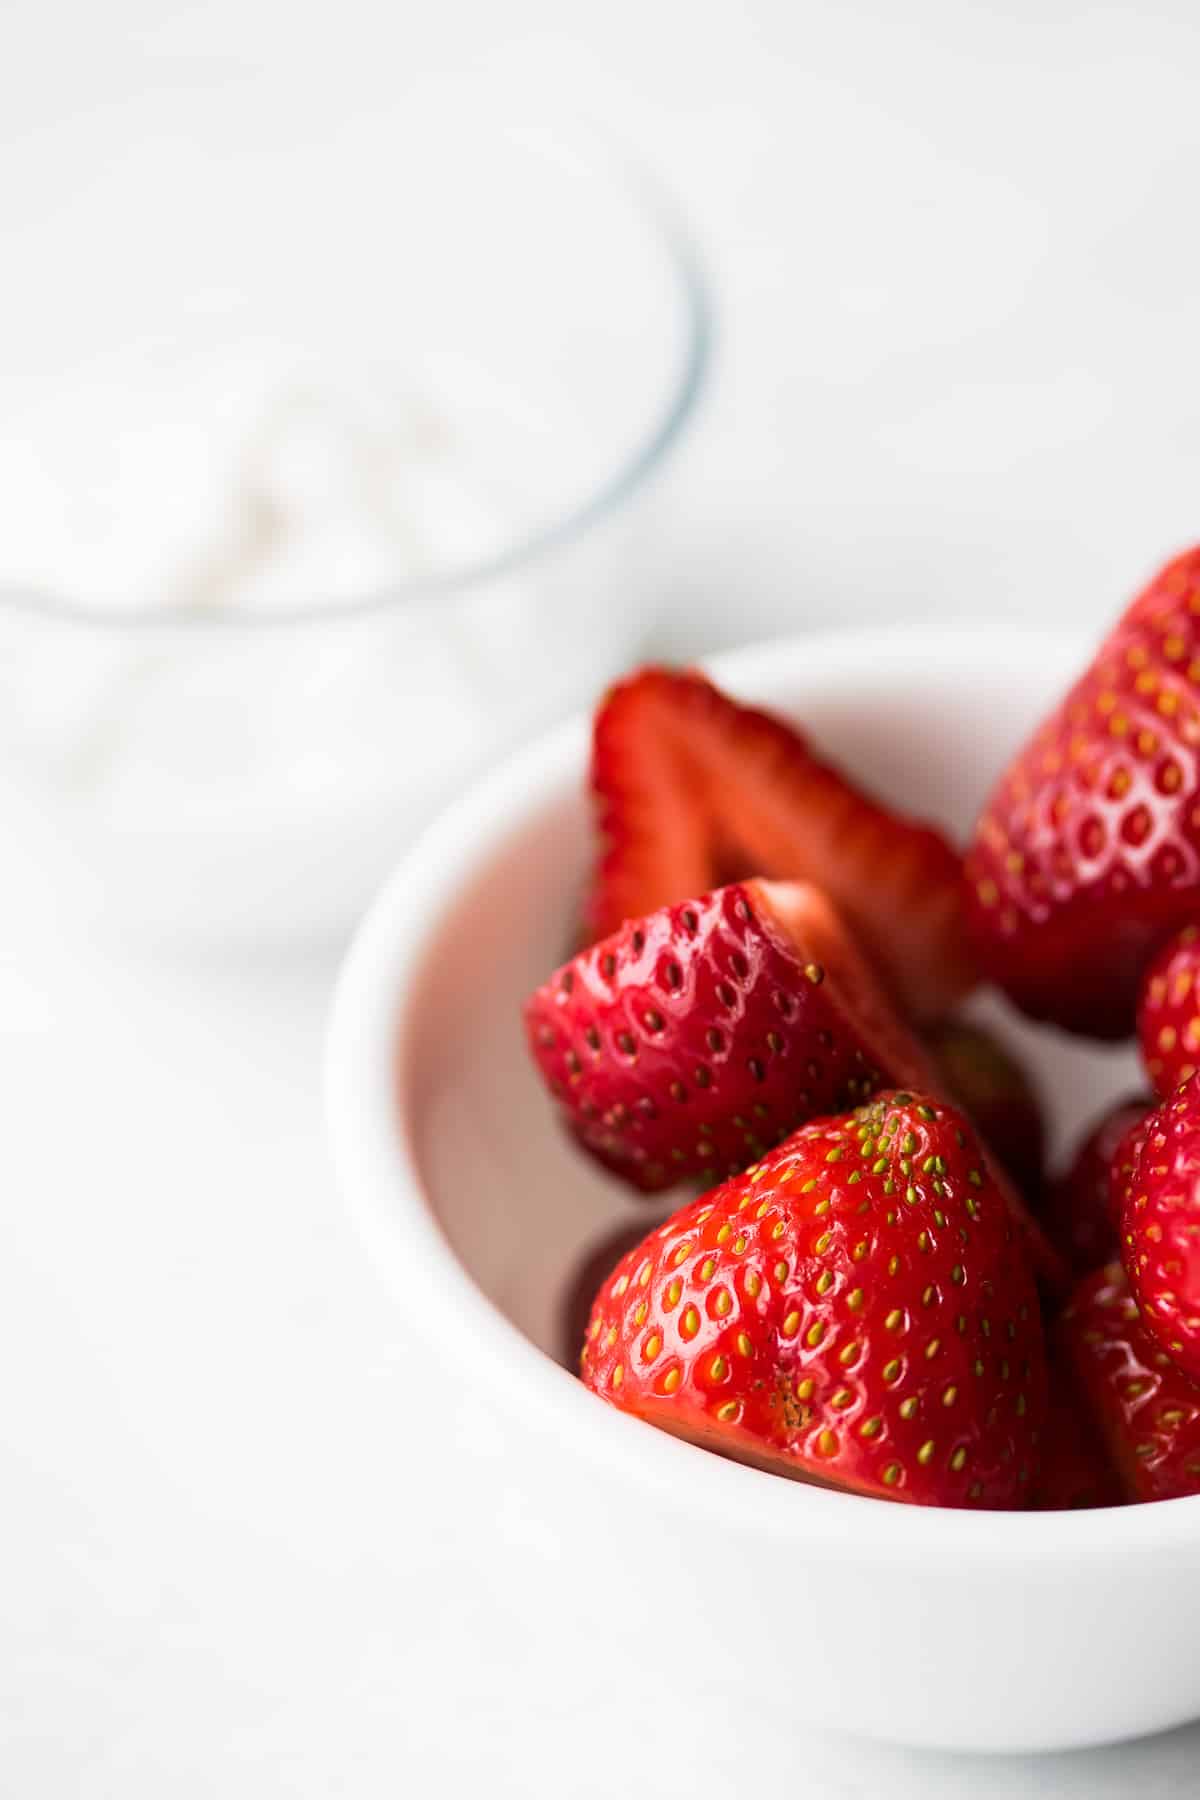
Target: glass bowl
[[323, 494]]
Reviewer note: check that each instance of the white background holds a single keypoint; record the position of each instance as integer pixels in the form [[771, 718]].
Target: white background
[[958, 265]]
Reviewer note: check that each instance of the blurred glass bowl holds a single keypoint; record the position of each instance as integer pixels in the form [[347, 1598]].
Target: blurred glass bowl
[[366, 425]]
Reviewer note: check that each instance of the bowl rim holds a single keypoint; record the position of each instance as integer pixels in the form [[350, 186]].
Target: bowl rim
[[374, 1156], [594, 152]]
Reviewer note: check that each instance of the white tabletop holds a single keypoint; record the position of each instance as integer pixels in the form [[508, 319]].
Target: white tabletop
[[242, 1554]]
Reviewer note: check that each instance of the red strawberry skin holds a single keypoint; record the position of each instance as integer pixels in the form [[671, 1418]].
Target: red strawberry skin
[[1160, 1226], [1075, 1470], [1081, 1207], [997, 1095], [1087, 854], [586, 1281], [1143, 1405], [854, 1310], [1168, 1015], [695, 1038], [693, 791]]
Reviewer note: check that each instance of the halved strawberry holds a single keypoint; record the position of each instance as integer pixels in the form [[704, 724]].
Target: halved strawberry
[[693, 791], [1088, 852], [1145, 1408], [1168, 1014], [1076, 1472], [1160, 1226], [1081, 1206], [997, 1094], [854, 1310], [695, 1038]]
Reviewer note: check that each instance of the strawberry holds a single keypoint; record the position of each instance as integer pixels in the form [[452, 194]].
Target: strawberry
[[1145, 1408], [693, 790], [1075, 1472], [853, 1310], [1080, 1207], [997, 1095], [1168, 1014], [693, 1039], [1160, 1226], [584, 1284], [1088, 853]]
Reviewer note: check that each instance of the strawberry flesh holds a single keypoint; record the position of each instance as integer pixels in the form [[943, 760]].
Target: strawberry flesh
[[1087, 854], [695, 1038], [1168, 1015], [1160, 1226], [694, 791], [855, 1310], [1144, 1407]]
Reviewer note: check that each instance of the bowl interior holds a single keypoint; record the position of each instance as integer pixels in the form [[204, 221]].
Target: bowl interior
[[927, 718]]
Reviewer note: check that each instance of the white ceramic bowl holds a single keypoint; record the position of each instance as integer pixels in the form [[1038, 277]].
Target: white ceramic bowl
[[639, 1553]]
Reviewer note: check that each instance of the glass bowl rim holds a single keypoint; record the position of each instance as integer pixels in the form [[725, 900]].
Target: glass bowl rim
[[687, 270]]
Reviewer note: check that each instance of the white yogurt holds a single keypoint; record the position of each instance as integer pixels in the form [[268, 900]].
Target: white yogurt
[[263, 779], [263, 355]]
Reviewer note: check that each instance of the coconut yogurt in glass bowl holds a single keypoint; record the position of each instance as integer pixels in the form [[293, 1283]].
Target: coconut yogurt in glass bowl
[[322, 451]]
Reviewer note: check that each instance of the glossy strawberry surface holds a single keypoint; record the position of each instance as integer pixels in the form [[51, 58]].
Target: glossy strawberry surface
[[1145, 1408], [1160, 1225], [694, 791], [586, 1280], [1080, 1210], [1087, 854], [998, 1095], [695, 1038], [855, 1310], [1168, 1015]]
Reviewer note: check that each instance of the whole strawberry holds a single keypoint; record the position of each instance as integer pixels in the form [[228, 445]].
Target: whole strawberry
[[1081, 1207], [1168, 1015], [1160, 1226], [1076, 1472], [997, 1094], [1088, 852], [694, 791], [1144, 1406], [695, 1038], [854, 1310]]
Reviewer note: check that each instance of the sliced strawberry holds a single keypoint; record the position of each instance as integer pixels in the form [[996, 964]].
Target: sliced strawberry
[[1160, 1226], [1145, 1408], [1168, 1015], [585, 1283], [1076, 1472], [695, 1038], [996, 1093], [1080, 1209], [854, 1310], [1088, 853], [693, 790]]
